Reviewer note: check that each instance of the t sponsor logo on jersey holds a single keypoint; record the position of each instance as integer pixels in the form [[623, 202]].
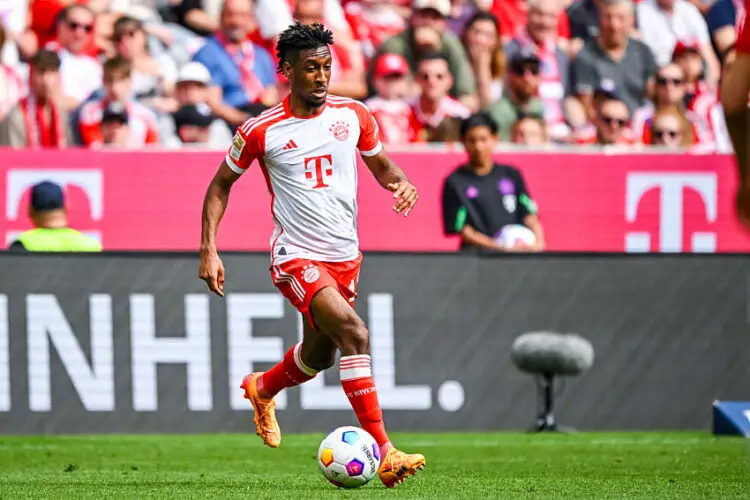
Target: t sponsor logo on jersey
[[340, 130], [238, 144], [310, 274]]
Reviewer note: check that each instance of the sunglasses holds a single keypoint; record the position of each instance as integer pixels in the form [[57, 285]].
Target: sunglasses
[[661, 134], [88, 28], [613, 120], [660, 80], [521, 69]]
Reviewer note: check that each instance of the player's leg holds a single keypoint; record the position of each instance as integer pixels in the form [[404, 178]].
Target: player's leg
[[334, 317]]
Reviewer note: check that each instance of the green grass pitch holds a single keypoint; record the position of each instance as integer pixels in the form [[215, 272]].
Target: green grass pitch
[[497, 466]]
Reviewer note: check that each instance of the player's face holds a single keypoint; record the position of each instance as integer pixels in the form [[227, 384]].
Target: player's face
[[479, 143], [311, 75]]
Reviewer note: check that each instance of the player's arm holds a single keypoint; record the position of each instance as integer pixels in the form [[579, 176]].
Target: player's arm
[[391, 177]]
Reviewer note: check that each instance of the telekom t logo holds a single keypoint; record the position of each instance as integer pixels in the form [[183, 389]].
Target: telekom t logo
[[670, 186], [319, 167], [20, 180]]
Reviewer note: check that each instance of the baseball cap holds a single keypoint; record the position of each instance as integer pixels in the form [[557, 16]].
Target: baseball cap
[[682, 46], [442, 6], [391, 64], [115, 111], [524, 54], [194, 72], [47, 195], [198, 115], [607, 88]]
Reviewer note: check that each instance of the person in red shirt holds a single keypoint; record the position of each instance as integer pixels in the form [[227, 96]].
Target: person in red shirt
[[396, 119]]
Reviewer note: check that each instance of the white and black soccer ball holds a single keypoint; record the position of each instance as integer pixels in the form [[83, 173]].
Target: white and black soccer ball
[[349, 457]]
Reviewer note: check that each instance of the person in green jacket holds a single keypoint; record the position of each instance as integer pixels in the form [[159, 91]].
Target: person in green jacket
[[51, 232]]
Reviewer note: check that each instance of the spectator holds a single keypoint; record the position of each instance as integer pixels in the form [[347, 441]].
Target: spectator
[[428, 33], [118, 87], [243, 73], [51, 232], [521, 95], [512, 15], [529, 131], [482, 197], [21, 42], [610, 125], [616, 56], [39, 120], [671, 128], [540, 35], [192, 91], [438, 114], [198, 16], [153, 78], [723, 19], [193, 124], [347, 67], [481, 38], [12, 87], [114, 126], [374, 21], [584, 23], [81, 74], [396, 119], [663, 22]]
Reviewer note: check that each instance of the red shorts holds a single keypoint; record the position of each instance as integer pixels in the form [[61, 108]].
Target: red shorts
[[300, 279]]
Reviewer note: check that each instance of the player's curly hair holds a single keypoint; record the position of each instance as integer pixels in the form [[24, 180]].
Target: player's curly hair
[[299, 37]]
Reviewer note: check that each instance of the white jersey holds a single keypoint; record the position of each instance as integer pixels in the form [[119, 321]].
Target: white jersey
[[310, 166]]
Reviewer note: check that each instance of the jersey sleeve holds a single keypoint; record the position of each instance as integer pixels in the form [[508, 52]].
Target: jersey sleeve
[[369, 133], [244, 150]]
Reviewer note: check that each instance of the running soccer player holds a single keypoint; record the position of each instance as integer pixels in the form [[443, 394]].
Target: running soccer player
[[735, 87], [306, 149]]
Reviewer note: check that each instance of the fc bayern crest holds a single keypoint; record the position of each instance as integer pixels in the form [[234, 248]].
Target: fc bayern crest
[[340, 130], [310, 274]]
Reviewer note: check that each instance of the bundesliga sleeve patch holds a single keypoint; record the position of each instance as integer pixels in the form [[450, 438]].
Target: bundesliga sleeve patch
[[238, 144]]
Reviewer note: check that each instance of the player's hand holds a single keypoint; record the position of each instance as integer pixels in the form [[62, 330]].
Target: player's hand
[[212, 272], [406, 196]]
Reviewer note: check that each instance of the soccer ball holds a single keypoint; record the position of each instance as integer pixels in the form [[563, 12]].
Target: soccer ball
[[515, 234], [349, 457]]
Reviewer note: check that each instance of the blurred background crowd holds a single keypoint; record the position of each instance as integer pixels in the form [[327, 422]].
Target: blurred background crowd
[[171, 73]]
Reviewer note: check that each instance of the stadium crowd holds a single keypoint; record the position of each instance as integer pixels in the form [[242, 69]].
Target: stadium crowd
[[132, 73]]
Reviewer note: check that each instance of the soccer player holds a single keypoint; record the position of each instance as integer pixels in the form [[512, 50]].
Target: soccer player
[[735, 87], [306, 149]]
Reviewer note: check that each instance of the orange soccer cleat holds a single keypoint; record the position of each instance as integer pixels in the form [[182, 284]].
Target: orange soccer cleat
[[267, 427], [396, 466]]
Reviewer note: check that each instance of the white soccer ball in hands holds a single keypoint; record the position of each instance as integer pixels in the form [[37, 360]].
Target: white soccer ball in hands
[[515, 234], [349, 457]]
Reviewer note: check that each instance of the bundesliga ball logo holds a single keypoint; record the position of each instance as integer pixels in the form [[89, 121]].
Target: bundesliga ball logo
[[340, 130]]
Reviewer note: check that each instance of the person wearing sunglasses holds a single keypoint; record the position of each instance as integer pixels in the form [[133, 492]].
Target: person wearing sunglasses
[[521, 93], [611, 125], [670, 128]]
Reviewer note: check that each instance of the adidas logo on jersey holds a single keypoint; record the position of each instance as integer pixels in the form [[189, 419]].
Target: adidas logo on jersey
[[282, 251], [290, 145]]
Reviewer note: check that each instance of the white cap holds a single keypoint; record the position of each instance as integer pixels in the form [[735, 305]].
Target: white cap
[[194, 72], [442, 6]]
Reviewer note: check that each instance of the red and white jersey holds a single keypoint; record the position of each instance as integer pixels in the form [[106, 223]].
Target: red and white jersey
[[310, 166], [143, 124], [397, 121]]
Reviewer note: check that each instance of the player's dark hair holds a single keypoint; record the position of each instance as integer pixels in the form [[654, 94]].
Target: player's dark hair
[[480, 119], [299, 37], [433, 56]]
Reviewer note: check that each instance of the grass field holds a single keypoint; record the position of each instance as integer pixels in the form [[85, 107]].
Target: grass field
[[498, 466]]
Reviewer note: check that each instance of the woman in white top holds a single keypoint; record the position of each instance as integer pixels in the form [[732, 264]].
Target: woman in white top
[[483, 44]]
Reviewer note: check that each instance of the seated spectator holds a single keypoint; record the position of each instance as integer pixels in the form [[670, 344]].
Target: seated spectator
[[243, 73], [481, 38], [81, 74], [529, 131], [629, 63], [723, 19], [12, 86], [438, 114], [521, 95], [610, 125], [671, 128], [118, 87], [663, 22], [373, 22], [114, 127], [51, 232], [482, 197], [191, 90], [396, 119], [193, 124], [153, 78], [540, 35], [427, 33], [347, 67], [39, 120], [583, 17], [512, 15]]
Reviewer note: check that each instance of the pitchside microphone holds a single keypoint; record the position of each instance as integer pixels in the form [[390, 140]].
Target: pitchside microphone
[[547, 355]]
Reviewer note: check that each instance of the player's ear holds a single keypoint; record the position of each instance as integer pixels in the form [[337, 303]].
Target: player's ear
[[286, 69]]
